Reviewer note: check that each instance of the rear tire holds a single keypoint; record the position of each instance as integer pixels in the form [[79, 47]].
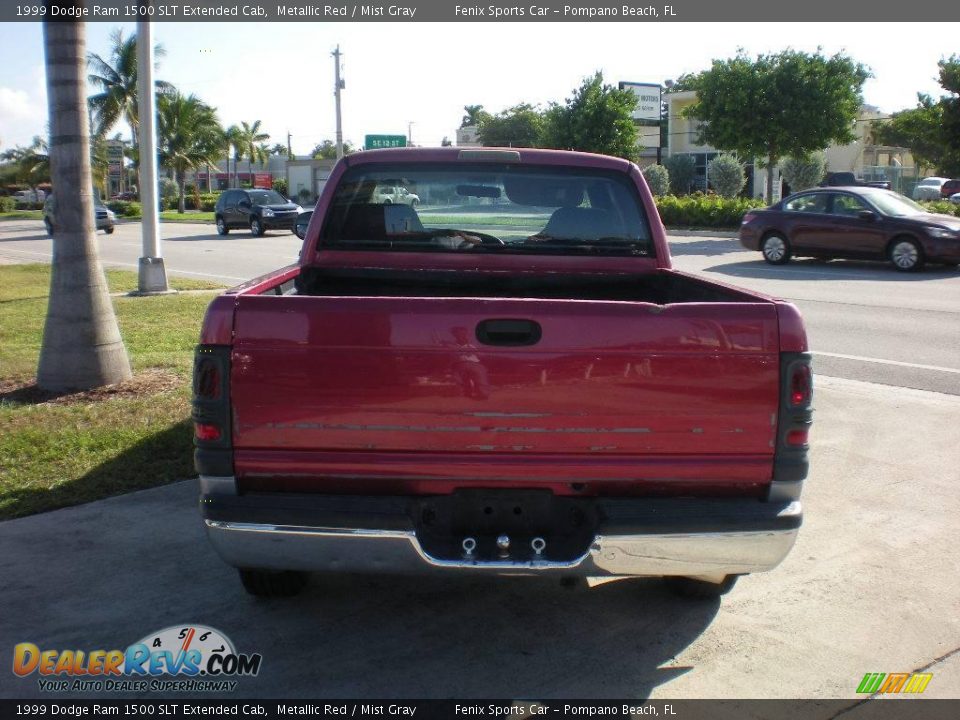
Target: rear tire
[[108, 230], [264, 583], [906, 255], [775, 249], [700, 589], [222, 228]]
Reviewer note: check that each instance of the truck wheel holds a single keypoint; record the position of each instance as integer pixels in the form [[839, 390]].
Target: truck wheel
[[775, 249], [108, 230], [264, 583], [413, 203], [256, 228], [701, 589], [222, 228], [906, 255]]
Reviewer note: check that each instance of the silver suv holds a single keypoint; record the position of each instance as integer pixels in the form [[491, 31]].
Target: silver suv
[[105, 217]]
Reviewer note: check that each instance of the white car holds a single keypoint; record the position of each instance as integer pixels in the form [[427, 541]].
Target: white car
[[928, 188], [395, 195], [24, 198], [955, 198]]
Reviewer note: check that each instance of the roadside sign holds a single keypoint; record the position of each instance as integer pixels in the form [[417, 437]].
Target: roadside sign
[[375, 142]]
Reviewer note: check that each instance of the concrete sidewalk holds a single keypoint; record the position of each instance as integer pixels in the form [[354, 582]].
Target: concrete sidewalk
[[870, 586]]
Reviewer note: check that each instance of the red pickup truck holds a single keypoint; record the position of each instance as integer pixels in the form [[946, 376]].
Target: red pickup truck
[[509, 378]]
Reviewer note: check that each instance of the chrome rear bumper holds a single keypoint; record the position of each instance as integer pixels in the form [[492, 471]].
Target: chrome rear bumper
[[707, 555]]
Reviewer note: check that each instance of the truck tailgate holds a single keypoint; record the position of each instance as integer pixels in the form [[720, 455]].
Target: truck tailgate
[[327, 388]]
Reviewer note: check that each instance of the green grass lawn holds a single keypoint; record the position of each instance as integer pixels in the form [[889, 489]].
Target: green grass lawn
[[22, 215], [174, 216], [58, 451]]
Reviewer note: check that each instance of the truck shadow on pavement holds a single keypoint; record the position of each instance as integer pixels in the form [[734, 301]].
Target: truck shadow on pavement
[[106, 574], [841, 270]]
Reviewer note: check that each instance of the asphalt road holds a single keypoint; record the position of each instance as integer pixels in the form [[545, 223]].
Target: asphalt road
[[865, 320]]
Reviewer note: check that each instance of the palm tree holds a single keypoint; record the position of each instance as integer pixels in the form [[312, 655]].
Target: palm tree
[[189, 136], [32, 162], [232, 140], [248, 145], [81, 346], [117, 81]]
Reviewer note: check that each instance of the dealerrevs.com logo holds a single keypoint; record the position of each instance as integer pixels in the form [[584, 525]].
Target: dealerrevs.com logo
[[191, 658]]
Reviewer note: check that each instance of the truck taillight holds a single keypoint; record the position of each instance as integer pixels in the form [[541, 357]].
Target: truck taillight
[[207, 379], [206, 431], [212, 430], [800, 385]]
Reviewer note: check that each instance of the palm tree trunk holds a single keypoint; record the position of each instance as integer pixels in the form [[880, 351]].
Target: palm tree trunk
[[181, 185], [81, 346]]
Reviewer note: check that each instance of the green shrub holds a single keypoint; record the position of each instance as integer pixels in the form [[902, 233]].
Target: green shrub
[[125, 208], [726, 175], [682, 169], [204, 201], [280, 186], [658, 178], [801, 173], [945, 207], [7, 204], [704, 211]]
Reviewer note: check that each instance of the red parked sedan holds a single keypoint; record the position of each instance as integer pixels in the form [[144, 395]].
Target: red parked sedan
[[852, 222]]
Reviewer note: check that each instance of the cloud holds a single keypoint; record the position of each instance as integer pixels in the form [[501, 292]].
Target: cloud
[[23, 114]]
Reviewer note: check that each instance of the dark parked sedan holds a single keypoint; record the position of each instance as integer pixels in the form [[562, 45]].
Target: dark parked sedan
[[852, 222]]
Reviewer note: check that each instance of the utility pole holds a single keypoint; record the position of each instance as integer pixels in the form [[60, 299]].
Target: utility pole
[[289, 147], [410, 133], [338, 85], [153, 275]]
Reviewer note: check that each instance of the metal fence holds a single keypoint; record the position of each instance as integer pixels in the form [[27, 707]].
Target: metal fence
[[902, 179]]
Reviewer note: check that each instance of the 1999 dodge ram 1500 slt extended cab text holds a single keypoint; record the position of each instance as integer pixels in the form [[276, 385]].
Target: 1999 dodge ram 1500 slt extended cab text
[[510, 378]]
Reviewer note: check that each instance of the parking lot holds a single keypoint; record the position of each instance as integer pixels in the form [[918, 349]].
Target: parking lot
[[870, 586]]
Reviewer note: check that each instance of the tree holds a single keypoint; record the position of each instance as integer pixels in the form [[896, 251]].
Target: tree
[[81, 346], [189, 136], [804, 172], [117, 80], [474, 115], [278, 149], [32, 162], [658, 178], [726, 175], [327, 150], [519, 126], [789, 103], [248, 144], [681, 169], [932, 129], [596, 118]]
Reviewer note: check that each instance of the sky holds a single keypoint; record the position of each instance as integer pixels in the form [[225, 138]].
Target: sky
[[424, 73]]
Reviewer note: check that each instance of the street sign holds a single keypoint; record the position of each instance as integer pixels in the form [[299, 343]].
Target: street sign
[[375, 142]]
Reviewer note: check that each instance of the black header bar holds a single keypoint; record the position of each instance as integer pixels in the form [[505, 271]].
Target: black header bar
[[634, 11]]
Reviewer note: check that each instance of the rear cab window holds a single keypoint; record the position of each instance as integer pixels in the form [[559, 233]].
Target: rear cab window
[[488, 207]]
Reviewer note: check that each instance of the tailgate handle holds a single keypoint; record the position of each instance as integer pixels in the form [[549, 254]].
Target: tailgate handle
[[515, 333]]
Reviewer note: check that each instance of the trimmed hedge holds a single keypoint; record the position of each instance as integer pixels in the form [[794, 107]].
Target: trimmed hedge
[[705, 211], [942, 206], [125, 208]]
